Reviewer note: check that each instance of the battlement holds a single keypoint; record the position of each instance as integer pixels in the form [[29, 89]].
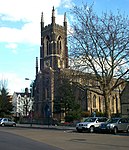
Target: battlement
[[47, 27]]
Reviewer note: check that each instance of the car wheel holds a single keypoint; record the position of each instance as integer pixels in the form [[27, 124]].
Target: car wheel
[[79, 130], [91, 130], [128, 130], [3, 125], [14, 125], [115, 130]]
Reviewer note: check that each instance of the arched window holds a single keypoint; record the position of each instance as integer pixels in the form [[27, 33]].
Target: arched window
[[59, 45], [100, 104], [112, 103], [47, 45], [116, 103], [94, 101]]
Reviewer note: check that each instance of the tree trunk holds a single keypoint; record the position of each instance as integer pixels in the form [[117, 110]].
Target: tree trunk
[[107, 106]]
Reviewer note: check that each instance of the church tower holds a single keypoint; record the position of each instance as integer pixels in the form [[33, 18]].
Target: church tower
[[53, 50], [53, 58]]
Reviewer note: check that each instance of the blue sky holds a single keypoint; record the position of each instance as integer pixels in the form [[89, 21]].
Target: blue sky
[[20, 33]]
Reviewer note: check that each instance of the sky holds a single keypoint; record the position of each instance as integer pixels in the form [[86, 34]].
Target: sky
[[20, 34]]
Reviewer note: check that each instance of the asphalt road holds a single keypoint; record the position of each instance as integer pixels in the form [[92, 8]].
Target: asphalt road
[[9, 141], [64, 139]]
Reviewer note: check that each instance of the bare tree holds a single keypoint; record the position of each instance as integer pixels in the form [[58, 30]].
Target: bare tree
[[100, 46]]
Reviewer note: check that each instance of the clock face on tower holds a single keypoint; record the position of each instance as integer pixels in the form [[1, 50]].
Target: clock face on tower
[[47, 63]]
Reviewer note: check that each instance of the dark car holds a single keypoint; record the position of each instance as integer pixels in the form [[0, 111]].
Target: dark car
[[115, 125], [7, 122], [103, 126]]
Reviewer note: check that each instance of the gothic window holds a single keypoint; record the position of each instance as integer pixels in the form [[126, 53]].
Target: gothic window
[[47, 45], [47, 93], [59, 45], [99, 104], [103, 104], [47, 82], [94, 101], [113, 104], [59, 63]]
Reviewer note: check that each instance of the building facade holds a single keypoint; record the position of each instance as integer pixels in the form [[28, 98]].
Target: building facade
[[53, 57], [125, 101], [53, 61], [22, 103]]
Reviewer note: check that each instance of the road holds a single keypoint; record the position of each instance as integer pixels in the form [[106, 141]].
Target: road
[[64, 139], [9, 141]]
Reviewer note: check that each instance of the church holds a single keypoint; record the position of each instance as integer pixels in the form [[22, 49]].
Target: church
[[53, 61], [53, 57]]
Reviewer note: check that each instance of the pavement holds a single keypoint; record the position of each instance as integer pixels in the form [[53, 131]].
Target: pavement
[[55, 127]]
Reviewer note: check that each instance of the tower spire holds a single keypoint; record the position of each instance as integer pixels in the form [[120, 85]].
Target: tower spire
[[65, 21], [42, 21], [53, 15], [36, 65], [53, 11], [65, 17]]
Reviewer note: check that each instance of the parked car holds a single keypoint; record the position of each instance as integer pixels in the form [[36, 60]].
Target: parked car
[[90, 124], [103, 127], [7, 122], [115, 125]]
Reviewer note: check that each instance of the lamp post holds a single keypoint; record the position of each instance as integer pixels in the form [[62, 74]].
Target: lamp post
[[31, 111], [48, 116]]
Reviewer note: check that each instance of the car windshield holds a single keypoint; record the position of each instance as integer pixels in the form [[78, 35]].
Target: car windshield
[[90, 120], [113, 120], [86, 119]]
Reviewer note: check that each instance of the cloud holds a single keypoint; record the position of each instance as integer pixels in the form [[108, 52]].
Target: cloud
[[14, 51], [28, 14], [15, 82], [13, 47], [28, 11], [67, 3]]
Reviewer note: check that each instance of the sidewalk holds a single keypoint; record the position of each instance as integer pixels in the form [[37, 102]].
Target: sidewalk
[[46, 127]]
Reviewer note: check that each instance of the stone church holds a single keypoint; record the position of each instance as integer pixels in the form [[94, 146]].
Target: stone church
[[53, 60], [53, 57]]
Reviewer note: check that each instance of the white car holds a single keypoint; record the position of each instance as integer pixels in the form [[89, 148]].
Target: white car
[[7, 122], [90, 124]]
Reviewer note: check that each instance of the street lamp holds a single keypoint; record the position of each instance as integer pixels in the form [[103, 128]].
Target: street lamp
[[48, 115], [31, 86], [27, 79], [31, 111]]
